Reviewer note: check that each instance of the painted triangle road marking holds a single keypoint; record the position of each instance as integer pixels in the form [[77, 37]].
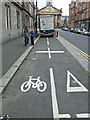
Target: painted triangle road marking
[[74, 89]]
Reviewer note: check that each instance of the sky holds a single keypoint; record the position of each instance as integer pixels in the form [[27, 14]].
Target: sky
[[64, 4]]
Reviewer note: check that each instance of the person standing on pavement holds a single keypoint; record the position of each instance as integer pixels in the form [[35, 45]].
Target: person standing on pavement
[[26, 31], [32, 36]]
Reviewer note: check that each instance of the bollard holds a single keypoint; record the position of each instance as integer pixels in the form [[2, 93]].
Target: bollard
[[57, 34]]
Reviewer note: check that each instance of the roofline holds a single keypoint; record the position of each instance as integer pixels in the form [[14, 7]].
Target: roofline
[[49, 5]]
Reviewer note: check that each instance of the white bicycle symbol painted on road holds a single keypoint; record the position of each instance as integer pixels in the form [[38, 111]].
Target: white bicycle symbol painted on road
[[35, 83]]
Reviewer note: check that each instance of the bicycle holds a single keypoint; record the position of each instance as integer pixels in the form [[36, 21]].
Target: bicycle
[[35, 83]]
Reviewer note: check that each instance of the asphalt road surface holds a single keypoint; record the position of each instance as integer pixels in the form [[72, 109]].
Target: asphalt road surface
[[66, 93], [80, 41]]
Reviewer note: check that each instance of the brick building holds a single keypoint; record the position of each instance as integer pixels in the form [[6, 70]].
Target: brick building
[[79, 14], [14, 17]]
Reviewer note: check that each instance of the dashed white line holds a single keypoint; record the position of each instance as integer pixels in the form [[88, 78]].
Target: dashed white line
[[47, 42], [83, 115], [54, 98], [64, 116]]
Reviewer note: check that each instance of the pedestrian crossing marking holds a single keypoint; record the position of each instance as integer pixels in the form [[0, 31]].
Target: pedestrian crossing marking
[[74, 89]]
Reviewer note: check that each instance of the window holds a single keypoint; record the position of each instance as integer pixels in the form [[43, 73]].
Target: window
[[18, 20], [7, 17]]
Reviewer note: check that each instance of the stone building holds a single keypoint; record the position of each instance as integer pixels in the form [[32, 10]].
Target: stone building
[[51, 10], [64, 21], [79, 14], [14, 17]]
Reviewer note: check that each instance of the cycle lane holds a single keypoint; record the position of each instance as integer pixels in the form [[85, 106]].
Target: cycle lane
[[39, 105], [32, 104], [71, 84]]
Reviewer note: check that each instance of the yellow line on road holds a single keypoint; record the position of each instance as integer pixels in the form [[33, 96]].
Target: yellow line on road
[[77, 49]]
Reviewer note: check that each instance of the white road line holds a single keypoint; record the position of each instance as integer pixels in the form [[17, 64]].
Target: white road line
[[64, 116], [41, 51], [74, 89], [47, 42], [56, 51], [83, 115], [49, 53], [47, 38], [54, 98]]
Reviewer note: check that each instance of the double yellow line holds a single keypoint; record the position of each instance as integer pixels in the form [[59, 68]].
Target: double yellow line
[[77, 49]]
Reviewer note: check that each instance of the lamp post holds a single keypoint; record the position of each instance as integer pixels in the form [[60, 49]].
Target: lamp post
[[36, 19]]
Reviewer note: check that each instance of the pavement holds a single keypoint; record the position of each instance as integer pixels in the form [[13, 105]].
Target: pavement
[[11, 72], [83, 62]]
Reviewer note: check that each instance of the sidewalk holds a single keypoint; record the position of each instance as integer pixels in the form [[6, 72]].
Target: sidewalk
[[11, 51], [12, 59]]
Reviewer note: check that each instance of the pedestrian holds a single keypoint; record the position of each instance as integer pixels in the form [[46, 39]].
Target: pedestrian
[[32, 36], [26, 31]]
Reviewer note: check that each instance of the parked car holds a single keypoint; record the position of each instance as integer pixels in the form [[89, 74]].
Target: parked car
[[66, 29], [79, 31], [62, 28], [84, 32], [88, 33], [71, 29], [75, 30]]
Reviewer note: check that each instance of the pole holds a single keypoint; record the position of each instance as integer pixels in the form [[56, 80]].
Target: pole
[[36, 18]]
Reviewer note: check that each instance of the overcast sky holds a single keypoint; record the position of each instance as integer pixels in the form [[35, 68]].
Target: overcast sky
[[64, 4]]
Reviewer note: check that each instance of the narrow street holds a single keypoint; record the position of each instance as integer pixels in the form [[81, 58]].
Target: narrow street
[[66, 93], [45, 60]]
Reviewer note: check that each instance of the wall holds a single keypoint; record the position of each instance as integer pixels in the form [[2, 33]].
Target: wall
[[10, 34]]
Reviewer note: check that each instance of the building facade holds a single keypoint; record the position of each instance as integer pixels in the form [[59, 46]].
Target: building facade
[[64, 21], [79, 15], [51, 10], [14, 17]]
